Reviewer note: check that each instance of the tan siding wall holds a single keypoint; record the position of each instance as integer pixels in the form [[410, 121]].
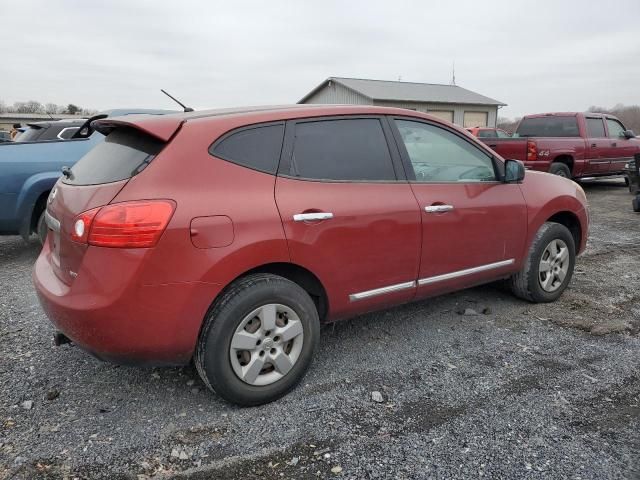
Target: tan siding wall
[[337, 94], [457, 109]]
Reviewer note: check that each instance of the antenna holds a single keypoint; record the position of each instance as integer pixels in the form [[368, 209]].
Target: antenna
[[453, 74], [184, 107]]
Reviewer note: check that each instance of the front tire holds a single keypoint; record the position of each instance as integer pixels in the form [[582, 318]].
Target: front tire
[[560, 169], [548, 267], [258, 340]]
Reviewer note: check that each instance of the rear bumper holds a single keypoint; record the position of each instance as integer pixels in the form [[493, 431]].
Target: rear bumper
[[109, 312]]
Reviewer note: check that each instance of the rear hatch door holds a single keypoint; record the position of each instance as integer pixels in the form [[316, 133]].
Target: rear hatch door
[[94, 181]]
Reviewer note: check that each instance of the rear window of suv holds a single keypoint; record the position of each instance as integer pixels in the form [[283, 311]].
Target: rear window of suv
[[549, 127], [124, 153]]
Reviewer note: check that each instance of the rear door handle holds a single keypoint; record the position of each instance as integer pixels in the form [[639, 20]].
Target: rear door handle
[[438, 208], [594, 145], [305, 217], [614, 144], [493, 146]]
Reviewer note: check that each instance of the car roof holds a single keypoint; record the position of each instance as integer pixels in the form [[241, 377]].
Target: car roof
[[164, 126], [49, 123]]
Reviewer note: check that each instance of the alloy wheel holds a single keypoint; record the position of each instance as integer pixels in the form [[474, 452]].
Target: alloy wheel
[[554, 265], [266, 345]]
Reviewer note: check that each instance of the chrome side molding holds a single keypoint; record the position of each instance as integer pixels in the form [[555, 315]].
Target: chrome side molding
[[381, 291], [462, 273], [429, 280]]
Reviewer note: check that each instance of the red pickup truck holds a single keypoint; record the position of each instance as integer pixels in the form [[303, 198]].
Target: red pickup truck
[[572, 145]]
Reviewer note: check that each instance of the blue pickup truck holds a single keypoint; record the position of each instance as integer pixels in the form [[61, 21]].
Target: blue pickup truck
[[28, 171]]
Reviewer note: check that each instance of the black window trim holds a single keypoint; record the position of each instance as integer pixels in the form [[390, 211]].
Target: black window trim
[[251, 126], [595, 117], [618, 121], [498, 165], [284, 167]]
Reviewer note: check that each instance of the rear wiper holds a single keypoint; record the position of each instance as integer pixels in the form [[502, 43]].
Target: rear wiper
[[66, 171]]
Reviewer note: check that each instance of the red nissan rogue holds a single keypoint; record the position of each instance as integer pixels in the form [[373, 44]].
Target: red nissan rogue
[[227, 237]]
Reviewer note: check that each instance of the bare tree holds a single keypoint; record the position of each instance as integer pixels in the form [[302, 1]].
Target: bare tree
[[508, 124], [630, 115], [52, 108], [28, 107], [3, 107]]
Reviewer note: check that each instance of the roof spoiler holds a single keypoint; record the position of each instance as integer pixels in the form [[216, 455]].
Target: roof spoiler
[[87, 129], [162, 127]]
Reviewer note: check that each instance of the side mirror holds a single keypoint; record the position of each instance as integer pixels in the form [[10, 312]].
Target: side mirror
[[513, 171], [628, 134]]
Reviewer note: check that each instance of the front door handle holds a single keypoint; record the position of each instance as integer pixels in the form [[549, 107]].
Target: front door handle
[[306, 217], [594, 145], [438, 208], [614, 144]]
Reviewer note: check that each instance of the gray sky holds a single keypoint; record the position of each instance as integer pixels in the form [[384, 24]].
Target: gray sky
[[535, 56]]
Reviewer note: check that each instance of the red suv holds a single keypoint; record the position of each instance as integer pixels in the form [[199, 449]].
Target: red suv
[[228, 237]]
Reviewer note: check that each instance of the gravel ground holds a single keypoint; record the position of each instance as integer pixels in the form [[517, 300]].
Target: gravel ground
[[523, 391]]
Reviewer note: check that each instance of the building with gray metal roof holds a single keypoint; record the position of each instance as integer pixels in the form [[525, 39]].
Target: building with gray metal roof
[[449, 102]]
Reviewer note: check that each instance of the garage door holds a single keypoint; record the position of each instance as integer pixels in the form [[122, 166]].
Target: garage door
[[443, 114], [475, 119]]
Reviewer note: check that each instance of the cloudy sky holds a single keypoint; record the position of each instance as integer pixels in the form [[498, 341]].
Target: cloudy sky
[[533, 55]]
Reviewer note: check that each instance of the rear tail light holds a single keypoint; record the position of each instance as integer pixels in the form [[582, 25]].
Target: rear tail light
[[136, 224], [81, 225], [532, 150]]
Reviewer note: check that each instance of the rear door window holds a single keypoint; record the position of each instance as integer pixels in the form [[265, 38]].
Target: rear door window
[[595, 128], [124, 153], [346, 149], [255, 147]]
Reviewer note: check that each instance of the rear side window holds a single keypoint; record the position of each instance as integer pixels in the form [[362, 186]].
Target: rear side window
[[124, 153], [257, 147], [549, 127], [486, 134], [348, 150], [595, 128], [31, 134]]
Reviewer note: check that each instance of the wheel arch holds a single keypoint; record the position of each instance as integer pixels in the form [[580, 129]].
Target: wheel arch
[[566, 159], [299, 275], [572, 222]]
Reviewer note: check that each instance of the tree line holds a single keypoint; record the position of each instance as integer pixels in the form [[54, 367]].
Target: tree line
[[629, 114], [33, 106]]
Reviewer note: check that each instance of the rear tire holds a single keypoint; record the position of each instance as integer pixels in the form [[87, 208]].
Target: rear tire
[[41, 228], [560, 169], [636, 204], [252, 325], [548, 267]]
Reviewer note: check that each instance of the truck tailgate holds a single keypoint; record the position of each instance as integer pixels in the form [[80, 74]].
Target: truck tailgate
[[515, 148]]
